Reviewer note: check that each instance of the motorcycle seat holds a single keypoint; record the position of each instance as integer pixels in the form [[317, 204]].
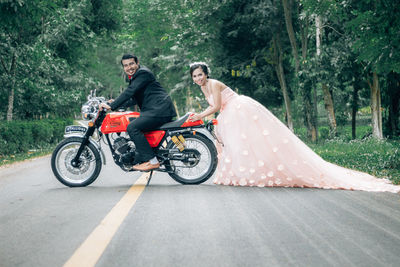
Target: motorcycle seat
[[175, 124]]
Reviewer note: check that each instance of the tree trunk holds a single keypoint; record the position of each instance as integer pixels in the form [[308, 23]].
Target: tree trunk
[[278, 55], [307, 95], [303, 34], [10, 108], [318, 28], [314, 113], [376, 79], [176, 108], [376, 107], [394, 114], [11, 74], [354, 110], [289, 27], [330, 110], [328, 100], [394, 99], [310, 112], [309, 115], [189, 101]]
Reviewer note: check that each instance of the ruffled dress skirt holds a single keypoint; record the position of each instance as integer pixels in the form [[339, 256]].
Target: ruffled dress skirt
[[259, 150]]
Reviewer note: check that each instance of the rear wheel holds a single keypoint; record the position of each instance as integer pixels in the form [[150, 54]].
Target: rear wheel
[[197, 162], [85, 172]]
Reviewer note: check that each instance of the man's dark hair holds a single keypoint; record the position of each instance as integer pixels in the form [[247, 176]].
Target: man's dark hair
[[128, 56]]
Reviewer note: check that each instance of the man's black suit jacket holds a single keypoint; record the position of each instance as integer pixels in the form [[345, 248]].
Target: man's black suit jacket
[[144, 90]]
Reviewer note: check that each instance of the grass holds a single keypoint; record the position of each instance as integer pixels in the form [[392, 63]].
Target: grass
[[380, 158]]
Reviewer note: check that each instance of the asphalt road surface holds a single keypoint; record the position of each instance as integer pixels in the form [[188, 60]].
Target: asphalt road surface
[[118, 221]]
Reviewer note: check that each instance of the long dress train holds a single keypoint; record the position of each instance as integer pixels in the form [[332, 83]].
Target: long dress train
[[259, 150]]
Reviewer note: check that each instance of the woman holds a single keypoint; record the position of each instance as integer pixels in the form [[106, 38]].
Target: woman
[[259, 150]]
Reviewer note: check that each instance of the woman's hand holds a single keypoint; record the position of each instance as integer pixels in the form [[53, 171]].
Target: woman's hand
[[104, 106], [195, 117]]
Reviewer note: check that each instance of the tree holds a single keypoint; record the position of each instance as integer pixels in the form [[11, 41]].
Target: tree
[[45, 60], [278, 62], [375, 27], [16, 36], [326, 92], [306, 83]]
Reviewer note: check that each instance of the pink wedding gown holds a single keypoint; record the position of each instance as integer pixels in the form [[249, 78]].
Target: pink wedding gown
[[259, 150]]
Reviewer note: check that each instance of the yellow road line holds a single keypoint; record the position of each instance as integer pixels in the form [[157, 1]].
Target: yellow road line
[[91, 250]]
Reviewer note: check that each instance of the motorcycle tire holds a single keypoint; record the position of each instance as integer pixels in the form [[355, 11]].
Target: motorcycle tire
[[202, 167], [88, 169]]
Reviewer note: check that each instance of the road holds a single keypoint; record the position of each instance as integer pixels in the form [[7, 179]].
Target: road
[[43, 223]]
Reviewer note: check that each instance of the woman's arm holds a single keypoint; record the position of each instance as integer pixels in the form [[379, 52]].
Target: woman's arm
[[216, 93]]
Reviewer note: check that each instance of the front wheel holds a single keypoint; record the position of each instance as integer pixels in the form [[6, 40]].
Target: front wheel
[[85, 172], [197, 162]]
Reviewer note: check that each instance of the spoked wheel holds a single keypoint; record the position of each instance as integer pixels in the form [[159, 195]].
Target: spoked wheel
[[84, 172], [197, 162]]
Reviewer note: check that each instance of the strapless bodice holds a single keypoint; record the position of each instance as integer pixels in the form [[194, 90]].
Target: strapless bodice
[[226, 95]]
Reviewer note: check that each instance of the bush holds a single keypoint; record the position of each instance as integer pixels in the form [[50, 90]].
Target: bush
[[58, 129], [324, 132], [21, 136], [42, 133], [15, 137]]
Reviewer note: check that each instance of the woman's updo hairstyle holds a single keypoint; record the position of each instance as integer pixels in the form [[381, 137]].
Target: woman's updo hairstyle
[[195, 65]]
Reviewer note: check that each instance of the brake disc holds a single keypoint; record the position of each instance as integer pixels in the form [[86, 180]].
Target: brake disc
[[84, 163]]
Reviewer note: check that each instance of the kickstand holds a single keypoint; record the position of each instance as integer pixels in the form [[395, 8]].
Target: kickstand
[[149, 179]]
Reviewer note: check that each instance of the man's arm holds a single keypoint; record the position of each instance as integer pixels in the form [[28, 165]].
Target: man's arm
[[141, 80], [129, 103]]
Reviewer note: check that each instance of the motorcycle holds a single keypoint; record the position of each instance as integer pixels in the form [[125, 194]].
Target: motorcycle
[[184, 148]]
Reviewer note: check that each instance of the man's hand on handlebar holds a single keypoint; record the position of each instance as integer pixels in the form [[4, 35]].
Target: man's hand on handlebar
[[104, 106]]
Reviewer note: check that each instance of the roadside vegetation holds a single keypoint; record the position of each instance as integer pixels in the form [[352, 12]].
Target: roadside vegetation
[[31, 154], [380, 158], [20, 140]]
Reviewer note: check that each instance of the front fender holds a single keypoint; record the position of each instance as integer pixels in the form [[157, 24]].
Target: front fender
[[96, 145]]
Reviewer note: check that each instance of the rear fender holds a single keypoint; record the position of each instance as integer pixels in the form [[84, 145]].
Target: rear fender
[[205, 132]]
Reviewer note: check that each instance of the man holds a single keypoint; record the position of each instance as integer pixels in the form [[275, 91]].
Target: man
[[156, 108]]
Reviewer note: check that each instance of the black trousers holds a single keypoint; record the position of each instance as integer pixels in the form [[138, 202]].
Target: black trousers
[[135, 130]]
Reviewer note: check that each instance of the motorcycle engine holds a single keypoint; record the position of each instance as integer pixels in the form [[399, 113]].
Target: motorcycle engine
[[125, 150]]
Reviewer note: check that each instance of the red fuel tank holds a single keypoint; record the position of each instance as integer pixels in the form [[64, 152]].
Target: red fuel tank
[[116, 122]]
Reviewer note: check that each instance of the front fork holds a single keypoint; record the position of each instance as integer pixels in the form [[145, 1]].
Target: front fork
[[90, 131], [76, 161]]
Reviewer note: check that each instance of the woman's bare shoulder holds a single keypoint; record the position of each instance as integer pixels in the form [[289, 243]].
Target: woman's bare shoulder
[[218, 84]]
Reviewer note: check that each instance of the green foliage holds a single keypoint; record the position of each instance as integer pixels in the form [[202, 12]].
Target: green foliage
[[376, 28], [21, 136], [48, 59], [107, 15]]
